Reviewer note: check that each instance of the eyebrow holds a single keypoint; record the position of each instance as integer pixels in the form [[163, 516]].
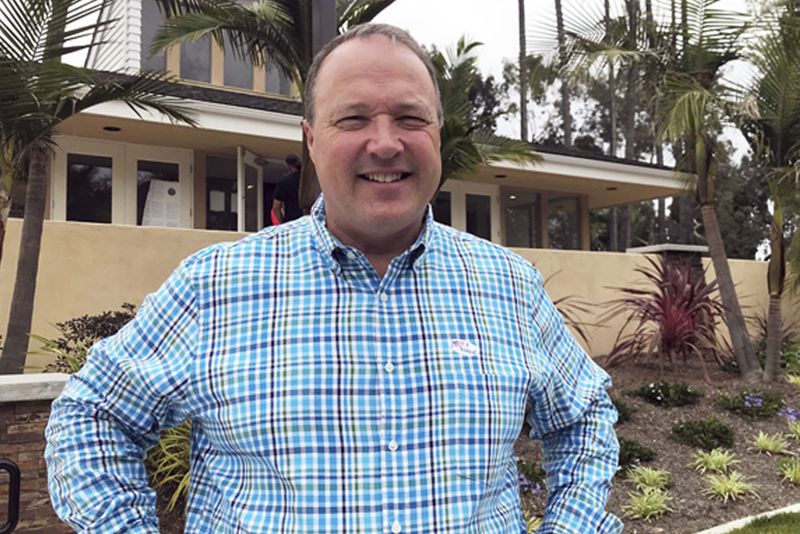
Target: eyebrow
[[362, 108]]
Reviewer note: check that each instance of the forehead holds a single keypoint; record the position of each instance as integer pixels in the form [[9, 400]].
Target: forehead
[[367, 65]]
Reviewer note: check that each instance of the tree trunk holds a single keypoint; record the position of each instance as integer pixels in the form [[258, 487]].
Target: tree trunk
[[5, 209], [772, 363], [776, 279], [309, 184], [523, 74], [15, 349], [740, 339], [612, 91], [566, 105], [661, 223], [613, 227], [624, 227]]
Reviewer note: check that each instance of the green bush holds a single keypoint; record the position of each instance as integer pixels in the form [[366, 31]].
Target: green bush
[[752, 404], [623, 409], [79, 334], [668, 395], [706, 434], [631, 452]]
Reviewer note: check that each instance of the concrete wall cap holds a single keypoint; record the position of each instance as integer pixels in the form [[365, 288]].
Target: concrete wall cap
[[31, 387], [668, 247]]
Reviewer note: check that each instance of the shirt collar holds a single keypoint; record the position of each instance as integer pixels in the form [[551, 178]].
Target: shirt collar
[[334, 251]]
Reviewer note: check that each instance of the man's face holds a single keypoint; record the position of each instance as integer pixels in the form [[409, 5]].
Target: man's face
[[375, 139]]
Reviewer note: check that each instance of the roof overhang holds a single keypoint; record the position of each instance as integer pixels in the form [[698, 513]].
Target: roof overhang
[[222, 127], [605, 183]]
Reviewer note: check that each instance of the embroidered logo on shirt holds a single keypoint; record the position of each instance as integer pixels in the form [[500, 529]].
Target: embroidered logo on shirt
[[463, 347]]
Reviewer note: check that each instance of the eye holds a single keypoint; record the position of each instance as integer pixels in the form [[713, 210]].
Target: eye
[[352, 122], [413, 121]]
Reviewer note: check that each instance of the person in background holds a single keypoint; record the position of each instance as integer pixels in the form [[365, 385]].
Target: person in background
[[285, 199], [361, 370]]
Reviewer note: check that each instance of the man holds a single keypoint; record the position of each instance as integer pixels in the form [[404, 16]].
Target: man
[[362, 370], [285, 202]]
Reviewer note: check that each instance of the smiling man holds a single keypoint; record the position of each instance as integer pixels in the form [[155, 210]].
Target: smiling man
[[362, 369]]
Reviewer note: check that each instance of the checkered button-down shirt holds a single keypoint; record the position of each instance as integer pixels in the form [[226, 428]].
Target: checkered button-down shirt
[[326, 399]]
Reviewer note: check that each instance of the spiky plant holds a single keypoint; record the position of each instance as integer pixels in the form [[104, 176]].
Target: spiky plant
[[715, 461]]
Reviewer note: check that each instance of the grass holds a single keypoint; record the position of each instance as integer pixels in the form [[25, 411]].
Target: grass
[[715, 461], [647, 503], [770, 443], [777, 524], [732, 486]]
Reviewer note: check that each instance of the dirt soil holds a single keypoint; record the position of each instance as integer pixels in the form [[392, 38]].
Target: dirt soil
[[650, 425], [692, 511]]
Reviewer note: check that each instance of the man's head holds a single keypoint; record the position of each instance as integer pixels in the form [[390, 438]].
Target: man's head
[[372, 122], [293, 162]]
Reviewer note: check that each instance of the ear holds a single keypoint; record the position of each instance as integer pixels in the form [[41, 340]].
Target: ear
[[309, 131]]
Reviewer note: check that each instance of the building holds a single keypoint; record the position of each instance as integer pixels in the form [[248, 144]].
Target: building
[[115, 167], [130, 196]]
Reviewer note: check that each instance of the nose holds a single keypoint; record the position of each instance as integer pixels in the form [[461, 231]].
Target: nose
[[384, 138]]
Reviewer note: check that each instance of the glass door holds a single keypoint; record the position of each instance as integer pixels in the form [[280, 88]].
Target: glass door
[[159, 186], [250, 185]]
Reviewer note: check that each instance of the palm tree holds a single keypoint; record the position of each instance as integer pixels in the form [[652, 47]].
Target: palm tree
[[280, 30], [464, 145], [566, 108], [770, 120], [39, 92], [693, 104], [523, 78]]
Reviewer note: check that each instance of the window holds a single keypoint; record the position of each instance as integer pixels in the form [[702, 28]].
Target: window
[[238, 71], [277, 81], [88, 188], [221, 190], [196, 60], [562, 222], [479, 220], [442, 208], [521, 218], [158, 200], [152, 19]]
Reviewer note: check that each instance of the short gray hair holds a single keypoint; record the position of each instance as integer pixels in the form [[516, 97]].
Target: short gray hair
[[362, 31]]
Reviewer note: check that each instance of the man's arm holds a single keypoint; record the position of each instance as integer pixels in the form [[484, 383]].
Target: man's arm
[[111, 412], [277, 209], [574, 417]]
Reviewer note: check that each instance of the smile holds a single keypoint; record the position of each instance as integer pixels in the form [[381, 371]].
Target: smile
[[385, 178]]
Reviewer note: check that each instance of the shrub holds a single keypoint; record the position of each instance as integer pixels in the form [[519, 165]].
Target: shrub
[[668, 395], [675, 316], [716, 461], [532, 477], [647, 503], [752, 404], [168, 463], [631, 452], [770, 443], [79, 334], [706, 434], [790, 469], [623, 409], [646, 477], [730, 486]]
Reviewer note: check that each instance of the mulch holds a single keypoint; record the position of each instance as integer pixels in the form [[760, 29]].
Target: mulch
[[692, 511]]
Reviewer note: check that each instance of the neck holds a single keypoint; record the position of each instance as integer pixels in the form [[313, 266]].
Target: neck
[[379, 250]]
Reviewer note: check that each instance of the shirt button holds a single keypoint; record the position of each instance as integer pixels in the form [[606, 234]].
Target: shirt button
[[393, 447], [384, 297], [389, 367], [396, 528]]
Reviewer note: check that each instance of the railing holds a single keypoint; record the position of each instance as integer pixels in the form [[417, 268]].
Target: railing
[[13, 495]]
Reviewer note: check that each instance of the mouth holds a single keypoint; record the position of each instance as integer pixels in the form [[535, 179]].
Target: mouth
[[385, 178]]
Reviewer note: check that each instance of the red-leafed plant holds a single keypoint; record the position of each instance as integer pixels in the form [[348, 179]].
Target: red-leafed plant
[[676, 317]]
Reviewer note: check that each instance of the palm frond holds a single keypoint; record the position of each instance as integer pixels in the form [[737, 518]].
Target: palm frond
[[354, 12]]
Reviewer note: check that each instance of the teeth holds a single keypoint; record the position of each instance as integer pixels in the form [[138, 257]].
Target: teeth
[[384, 178]]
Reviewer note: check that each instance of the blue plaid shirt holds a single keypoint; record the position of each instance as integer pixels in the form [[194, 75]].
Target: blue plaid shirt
[[326, 399]]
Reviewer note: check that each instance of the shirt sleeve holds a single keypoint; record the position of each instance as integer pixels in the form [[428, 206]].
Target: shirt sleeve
[[112, 411], [572, 414]]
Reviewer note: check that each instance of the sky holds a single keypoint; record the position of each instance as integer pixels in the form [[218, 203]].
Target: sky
[[493, 23]]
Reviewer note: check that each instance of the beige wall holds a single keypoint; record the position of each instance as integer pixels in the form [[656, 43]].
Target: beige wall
[[89, 268]]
